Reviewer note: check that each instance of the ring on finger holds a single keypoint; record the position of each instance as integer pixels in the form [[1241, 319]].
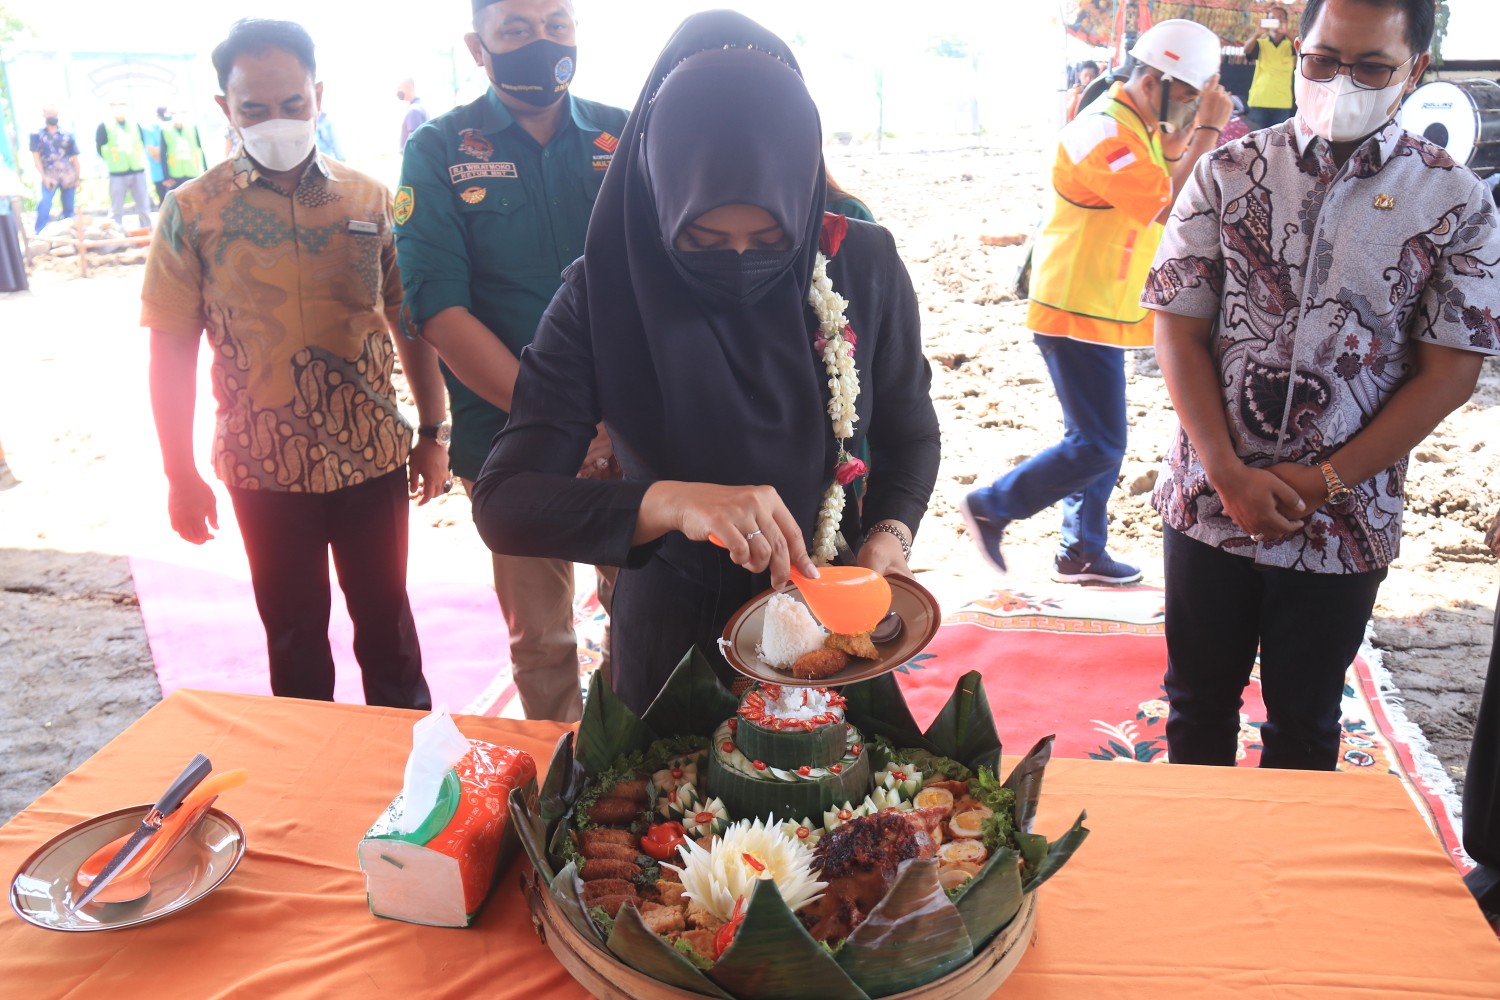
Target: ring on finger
[[447, 485], [752, 534], [1257, 537]]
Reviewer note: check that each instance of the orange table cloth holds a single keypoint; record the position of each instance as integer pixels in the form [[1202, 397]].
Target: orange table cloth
[[1196, 882]]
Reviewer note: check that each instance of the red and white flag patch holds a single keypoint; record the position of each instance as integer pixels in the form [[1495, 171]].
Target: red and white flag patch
[[1119, 159]]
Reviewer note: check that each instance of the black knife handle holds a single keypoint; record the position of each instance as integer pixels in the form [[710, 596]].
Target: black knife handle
[[188, 780]]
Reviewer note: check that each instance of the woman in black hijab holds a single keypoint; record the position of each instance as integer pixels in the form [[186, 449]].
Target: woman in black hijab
[[686, 329]]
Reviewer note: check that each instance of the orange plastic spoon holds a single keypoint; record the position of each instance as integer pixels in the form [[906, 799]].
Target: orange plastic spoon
[[134, 881], [845, 599]]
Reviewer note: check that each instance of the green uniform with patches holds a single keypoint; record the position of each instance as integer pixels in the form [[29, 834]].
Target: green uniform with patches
[[486, 218]]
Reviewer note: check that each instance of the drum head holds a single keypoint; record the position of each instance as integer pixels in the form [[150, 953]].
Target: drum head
[[1443, 113]]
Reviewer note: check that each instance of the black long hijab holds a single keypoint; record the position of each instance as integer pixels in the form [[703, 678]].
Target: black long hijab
[[692, 389]]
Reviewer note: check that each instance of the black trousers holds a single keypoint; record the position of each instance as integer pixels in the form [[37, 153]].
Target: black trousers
[[287, 538], [1221, 608], [1482, 788]]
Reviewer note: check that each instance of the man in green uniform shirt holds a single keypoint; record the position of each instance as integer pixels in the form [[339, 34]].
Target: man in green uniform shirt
[[494, 202], [1270, 48]]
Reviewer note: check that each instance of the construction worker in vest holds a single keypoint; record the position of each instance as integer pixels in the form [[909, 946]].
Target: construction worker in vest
[[181, 151], [122, 146], [1270, 48], [1118, 166]]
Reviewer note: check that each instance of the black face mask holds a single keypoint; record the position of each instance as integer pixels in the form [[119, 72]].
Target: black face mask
[[51, 119], [538, 72], [729, 278]]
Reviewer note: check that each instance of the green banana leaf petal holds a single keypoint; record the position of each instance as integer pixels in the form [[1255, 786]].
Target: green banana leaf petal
[[991, 899], [878, 708], [1026, 782], [609, 729], [965, 728], [528, 826], [692, 702], [566, 892], [1033, 849], [774, 956], [563, 784], [913, 936], [1058, 853], [635, 944]]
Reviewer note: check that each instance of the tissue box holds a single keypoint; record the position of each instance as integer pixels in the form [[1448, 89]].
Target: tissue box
[[440, 873]]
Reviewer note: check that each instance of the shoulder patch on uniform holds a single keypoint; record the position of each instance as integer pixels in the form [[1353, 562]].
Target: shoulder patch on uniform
[[406, 201], [1119, 159], [1084, 134]]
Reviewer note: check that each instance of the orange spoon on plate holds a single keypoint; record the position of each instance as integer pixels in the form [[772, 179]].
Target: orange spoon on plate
[[135, 880], [847, 600]]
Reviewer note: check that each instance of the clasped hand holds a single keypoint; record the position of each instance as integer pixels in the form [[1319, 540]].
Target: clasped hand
[[1274, 502]]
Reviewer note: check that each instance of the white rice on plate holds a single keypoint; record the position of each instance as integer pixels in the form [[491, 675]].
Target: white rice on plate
[[788, 631]]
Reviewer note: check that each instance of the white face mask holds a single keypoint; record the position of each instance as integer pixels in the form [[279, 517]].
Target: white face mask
[[1341, 112], [281, 143]]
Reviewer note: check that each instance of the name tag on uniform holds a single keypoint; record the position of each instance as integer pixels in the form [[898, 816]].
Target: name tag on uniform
[[364, 228]]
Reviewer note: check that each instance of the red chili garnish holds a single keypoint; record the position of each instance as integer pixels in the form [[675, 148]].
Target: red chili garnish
[[803, 833], [703, 817], [778, 724], [899, 775], [773, 691], [724, 937], [760, 765], [837, 768], [734, 724], [804, 770], [750, 860], [727, 746], [857, 749], [676, 772], [845, 814]]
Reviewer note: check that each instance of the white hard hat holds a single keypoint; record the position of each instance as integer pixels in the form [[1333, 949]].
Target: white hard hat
[[1182, 49]]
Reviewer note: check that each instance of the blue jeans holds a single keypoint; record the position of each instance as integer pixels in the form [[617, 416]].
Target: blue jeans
[[1220, 609], [1081, 469], [44, 205]]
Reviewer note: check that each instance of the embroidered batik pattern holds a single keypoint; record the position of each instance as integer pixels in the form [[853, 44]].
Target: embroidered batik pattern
[[1320, 281]]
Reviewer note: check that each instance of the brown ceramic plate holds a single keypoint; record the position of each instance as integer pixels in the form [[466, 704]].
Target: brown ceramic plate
[[43, 890], [919, 614]]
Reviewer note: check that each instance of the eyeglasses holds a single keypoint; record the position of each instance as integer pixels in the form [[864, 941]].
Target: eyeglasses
[[1366, 75]]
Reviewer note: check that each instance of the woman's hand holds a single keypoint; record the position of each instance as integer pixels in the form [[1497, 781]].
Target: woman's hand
[[751, 521], [882, 552]]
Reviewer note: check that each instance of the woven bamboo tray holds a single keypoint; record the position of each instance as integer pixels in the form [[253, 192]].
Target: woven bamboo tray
[[607, 978]]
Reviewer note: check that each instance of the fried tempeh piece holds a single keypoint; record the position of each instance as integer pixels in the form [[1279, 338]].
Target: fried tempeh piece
[[701, 941], [670, 893], [820, 663], [595, 868], [612, 904], [855, 645]]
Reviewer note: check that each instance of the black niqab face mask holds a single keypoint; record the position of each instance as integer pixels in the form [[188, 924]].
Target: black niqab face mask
[[730, 278], [538, 72]]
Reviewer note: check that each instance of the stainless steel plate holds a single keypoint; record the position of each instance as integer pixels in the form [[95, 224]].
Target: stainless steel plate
[[44, 888]]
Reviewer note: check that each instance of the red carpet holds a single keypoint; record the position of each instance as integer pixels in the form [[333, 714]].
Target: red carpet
[[1086, 664]]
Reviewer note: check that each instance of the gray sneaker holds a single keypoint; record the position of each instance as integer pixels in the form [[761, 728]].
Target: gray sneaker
[[1102, 569]]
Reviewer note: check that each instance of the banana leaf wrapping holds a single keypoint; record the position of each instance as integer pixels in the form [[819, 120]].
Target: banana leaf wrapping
[[916, 934]]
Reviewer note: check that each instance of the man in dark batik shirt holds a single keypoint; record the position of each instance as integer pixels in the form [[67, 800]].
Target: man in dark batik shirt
[[1326, 292]]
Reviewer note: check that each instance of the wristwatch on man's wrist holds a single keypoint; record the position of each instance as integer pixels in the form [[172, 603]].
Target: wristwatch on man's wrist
[[441, 433], [1339, 495]]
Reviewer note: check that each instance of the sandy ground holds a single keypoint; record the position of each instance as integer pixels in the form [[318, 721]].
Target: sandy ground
[[74, 660]]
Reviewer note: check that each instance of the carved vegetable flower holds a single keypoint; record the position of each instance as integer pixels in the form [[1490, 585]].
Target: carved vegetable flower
[[748, 852]]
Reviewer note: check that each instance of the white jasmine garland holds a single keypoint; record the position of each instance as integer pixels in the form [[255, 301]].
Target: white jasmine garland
[[843, 391]]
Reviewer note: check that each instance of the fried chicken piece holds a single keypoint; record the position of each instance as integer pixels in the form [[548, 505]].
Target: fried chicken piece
[[600, 887], [606, 835], [820, 663], [855, 645], [831, 916], [670, 875], [701, 919], [612, 904], [597, 868], [928, 825], [701, 941], [663, 919], [883, 840], [611, 852], [613, 811], [670, 893]]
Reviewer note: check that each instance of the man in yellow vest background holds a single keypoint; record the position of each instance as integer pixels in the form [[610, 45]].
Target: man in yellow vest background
[[122, 146], [1270, 48], [181, 151], [1117, 168]]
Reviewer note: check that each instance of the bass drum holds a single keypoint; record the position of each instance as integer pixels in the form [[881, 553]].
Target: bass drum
[[1462, 116]]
